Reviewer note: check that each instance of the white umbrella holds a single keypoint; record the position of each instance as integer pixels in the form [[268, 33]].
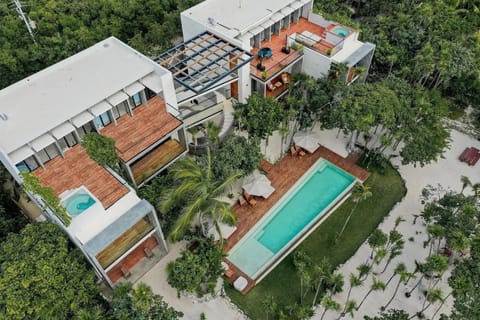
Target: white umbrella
[[258, 185], [308, 140]]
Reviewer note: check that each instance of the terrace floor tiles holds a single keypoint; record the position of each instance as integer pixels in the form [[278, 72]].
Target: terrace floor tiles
[[77, 169], [133, 134]]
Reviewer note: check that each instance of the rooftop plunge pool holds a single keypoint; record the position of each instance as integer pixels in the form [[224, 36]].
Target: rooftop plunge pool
[[78, 201], [291, 219]]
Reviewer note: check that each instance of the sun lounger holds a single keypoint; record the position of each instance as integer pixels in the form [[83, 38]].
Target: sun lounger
[[251, 201]]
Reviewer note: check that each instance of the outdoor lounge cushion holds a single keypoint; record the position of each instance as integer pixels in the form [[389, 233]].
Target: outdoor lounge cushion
[[240, 284]]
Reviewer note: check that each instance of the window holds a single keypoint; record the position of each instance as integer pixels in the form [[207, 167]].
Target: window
[[103, 120], [120, 110], [149, 93], [67, 142], [136, 100], [86, 128], [48, 153], [28, 165]]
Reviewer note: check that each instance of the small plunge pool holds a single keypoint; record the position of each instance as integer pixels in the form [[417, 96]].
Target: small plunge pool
[[78, 202]]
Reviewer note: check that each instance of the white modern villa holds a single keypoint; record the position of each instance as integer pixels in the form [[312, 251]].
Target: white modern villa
[[114, 90], [231, 48]]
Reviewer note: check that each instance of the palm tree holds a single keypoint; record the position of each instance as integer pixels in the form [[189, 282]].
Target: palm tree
[[360, 192], [376, 286], [434, 264], [283, 130], [441, 305], [196, 182], [377, 239], [435, 232], [395, 251], [432, 296], [354, 282], [465, 183], [350, 307], [194, 131], [403, 275], [329, 304], [212, 131], [363, 270], [269, 305], [335, 284], [321, 273]]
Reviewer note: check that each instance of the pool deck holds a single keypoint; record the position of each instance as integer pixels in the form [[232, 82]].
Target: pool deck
[[283, 176]]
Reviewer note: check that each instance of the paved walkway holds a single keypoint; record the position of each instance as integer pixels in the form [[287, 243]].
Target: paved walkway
[[446, 172], [215, 309]]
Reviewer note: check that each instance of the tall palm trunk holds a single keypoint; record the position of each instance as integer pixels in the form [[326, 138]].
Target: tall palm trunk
[[346, 221], [364, 298], [409, 293], [393, 296], [441, 305], [316, 293]]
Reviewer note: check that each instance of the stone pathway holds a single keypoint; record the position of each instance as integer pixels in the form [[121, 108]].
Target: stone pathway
[[446, 172]]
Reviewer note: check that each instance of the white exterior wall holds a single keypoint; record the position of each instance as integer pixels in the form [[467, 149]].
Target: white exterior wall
[[190, 27], [9, 166], [244, 88], [315, 64]]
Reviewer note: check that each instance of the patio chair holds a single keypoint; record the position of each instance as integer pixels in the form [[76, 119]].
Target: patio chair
[[148, 252], [125, 272], [285, 78], [293, 151], [242, 201], [251, 201]]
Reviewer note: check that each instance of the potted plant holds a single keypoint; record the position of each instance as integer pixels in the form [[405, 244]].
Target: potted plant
[[329, 51], [286, 50], [264, 74]]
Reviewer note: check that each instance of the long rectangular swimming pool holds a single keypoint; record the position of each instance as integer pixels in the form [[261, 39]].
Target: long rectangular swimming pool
[[316, 192]]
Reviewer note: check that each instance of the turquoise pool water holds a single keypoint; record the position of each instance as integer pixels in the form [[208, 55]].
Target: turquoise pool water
[[78, 203], [308, 200], [341, 31]]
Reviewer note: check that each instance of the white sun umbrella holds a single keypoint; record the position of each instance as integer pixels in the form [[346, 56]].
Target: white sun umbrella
[[308, 140], [258, 184]]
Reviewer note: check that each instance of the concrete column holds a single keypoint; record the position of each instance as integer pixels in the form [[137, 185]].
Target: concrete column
[[143, 96], [244, 89]]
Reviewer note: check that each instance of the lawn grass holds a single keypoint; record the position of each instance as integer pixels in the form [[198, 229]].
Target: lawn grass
[[283, 282]]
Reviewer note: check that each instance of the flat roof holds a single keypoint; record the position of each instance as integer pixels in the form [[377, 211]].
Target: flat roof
[[41, 102], [236, 16]]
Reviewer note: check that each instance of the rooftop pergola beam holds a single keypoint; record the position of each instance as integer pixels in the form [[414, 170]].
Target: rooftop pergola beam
[[207, 74], [203, 49], [176, 72], [221, 57], [174, 53]]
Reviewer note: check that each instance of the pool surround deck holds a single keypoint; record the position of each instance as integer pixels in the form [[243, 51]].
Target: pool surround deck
[[283, 176]]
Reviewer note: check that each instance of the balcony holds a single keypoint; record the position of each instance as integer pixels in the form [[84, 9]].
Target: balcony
[[278, 85], [155, 160]]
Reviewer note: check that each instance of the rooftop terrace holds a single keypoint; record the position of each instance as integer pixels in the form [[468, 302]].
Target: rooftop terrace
[[77, 169], [133, 134], [316, 40]]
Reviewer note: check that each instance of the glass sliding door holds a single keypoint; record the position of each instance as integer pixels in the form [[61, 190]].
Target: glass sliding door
[[67, 142], [103, 120]]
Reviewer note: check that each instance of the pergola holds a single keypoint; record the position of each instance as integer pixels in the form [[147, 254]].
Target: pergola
[[201, 62]]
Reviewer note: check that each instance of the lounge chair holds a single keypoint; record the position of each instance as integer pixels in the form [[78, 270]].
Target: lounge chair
[[125, 272], [240, 284], [251, 201], [242, 201], [293, 151]]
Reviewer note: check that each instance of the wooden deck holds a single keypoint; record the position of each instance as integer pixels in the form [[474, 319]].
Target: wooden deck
[[156, 159], [77, 169], [133, 134], [283, 176]]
